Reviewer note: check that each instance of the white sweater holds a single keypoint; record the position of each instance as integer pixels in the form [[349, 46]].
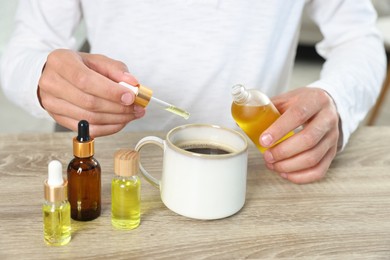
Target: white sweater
[[191, 52]]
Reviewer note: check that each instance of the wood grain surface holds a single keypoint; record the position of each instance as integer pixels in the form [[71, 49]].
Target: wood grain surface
[[344, 216]]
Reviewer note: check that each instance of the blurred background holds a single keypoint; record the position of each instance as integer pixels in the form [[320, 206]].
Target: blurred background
[[12, 117], [306, 70]]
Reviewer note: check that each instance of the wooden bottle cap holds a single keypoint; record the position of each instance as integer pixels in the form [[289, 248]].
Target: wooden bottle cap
[[126, 162]]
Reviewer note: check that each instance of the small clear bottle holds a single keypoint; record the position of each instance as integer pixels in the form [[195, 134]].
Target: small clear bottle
[[125, 190], [254, 112], [56, 208], [84, 177]]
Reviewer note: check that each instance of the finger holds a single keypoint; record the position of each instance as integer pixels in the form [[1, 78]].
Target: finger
[[315, 130], [296, 115], [282, 101], [55, 85], [291, 119], [112, 69], [304, 140], [304, 160], [94, 130], [312, 174], [88, 80], [63, 108]]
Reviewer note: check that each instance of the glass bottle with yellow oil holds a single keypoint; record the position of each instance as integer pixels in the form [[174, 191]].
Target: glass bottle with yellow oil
[[56, 208], [125, 190], [254, 112]]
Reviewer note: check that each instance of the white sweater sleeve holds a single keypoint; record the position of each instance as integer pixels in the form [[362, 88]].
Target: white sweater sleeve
[[355, 58], [40, 27]]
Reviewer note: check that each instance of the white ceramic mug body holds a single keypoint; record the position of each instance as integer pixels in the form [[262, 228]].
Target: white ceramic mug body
[[201, 186]]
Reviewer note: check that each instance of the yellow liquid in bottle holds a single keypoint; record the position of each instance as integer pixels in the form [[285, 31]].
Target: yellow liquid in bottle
[[125, 202], [56, 221], [253, 120]]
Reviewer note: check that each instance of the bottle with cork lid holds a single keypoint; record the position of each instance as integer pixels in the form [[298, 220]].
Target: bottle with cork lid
[[84, 177], [125, 190]]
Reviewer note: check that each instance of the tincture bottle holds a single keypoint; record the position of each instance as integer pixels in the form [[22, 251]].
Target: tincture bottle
[[254, 112], [56, 208], [84, 176], [125, 190]]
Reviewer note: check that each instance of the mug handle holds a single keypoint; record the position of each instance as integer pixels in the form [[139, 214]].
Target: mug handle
[[141, 143]]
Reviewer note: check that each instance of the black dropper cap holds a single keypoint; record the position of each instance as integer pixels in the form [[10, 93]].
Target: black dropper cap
[[83, 131], [83, 144]]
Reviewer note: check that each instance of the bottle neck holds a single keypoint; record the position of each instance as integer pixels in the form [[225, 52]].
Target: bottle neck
[[240, 94], [132, 177], [56, 204], [56, 193], [83, 149]]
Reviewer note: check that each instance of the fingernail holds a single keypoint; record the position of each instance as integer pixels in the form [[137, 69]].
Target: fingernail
[[268, 157], [283, 175], [270, 166], [138, 108], [266, 139], [127, 99], [139, 114], [132, 79]]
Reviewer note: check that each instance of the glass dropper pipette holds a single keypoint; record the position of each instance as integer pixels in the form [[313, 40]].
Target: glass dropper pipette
[[143, 96]]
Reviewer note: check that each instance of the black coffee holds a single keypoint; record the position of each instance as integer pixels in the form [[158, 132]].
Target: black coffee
[[207, 150], [210, 149]]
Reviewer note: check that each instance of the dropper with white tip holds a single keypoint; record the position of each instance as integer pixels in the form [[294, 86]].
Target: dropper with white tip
[[55, 174], [56, 208], [56, 187]]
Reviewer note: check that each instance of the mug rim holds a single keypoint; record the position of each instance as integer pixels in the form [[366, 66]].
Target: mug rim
[[210, 156]]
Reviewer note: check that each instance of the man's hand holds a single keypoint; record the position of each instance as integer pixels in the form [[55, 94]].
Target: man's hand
[[304, 157], [75, 86]]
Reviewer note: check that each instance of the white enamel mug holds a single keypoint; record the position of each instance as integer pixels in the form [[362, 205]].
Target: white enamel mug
[[198, 185]]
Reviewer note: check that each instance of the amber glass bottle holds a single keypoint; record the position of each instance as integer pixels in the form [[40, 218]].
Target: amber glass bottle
[[84, 177]]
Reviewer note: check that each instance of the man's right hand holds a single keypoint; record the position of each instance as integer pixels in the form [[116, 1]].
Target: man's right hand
[[75, 86]]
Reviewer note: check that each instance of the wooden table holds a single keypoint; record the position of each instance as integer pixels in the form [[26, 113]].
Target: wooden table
[[345, 216]]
